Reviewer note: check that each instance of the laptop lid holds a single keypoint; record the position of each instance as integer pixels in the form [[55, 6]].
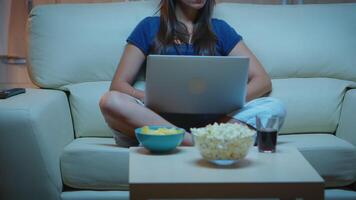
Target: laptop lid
[[196, 84]]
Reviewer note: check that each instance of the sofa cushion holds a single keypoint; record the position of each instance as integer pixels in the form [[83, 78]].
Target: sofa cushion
[[74, 43], [84, 102], [83, 42], [95, 163], [306, 111], [299, 40], [337, 194], [98, 195], [333, 158], [312, 104]]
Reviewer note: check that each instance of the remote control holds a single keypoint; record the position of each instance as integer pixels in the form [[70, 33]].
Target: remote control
[[11, 92]]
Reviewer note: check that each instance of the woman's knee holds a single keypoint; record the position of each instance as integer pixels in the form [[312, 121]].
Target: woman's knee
[[277, 106], [105, 101], [269, 105], [111, 101]]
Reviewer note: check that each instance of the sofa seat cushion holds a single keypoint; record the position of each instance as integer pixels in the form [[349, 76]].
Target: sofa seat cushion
[[333, 158], [338, 194], [95, 163], [95, 195]]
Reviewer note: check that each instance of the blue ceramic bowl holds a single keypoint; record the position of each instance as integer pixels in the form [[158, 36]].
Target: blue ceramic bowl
[[159, 143]]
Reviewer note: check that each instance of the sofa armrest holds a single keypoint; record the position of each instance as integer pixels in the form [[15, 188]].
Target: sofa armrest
[[347, 124], [34, 128]]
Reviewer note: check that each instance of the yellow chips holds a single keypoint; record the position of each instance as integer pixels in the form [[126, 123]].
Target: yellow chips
[[160, 131]]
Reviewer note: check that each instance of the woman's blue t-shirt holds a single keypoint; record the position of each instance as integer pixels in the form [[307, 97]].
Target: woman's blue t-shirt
[[145, 32]]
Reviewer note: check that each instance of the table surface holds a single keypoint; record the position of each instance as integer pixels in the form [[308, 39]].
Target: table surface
[[185, 165]]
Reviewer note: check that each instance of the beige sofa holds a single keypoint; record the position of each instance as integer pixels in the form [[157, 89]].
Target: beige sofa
[[56, 145]]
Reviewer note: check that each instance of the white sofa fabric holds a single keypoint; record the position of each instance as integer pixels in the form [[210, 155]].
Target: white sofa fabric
[[34, 129], [75, 43], [56, 136], [297, 41], [347, 126], [96, 163], [291, 41], [307, 112], [103, 195], [84, 101], [313, 104], [332, 157]]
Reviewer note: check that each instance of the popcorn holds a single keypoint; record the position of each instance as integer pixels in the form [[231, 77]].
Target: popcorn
[[225, 141]]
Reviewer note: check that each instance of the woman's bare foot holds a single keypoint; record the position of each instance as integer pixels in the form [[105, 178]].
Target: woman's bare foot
[[188, 140]]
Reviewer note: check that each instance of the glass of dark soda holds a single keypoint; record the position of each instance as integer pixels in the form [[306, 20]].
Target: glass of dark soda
[[267, 131]]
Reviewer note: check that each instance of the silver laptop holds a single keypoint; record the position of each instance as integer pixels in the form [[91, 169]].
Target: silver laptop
[[196, 84]]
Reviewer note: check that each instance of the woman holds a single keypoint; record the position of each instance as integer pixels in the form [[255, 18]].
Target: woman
[[185, 27]]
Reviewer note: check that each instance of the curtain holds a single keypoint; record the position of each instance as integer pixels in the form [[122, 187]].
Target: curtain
[[13, 16], [4, 25]]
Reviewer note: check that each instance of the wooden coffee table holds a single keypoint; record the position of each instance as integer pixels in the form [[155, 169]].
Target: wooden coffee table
[[184, 174]]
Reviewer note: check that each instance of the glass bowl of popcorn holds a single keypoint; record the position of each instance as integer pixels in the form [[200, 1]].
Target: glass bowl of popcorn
[[225, 143]]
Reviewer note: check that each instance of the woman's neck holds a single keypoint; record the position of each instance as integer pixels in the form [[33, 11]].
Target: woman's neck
[[186, 14]]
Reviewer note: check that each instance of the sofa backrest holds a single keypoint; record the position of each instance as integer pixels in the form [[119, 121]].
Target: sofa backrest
[[75, 43], [77, 48], [82, 43], [298, 40]]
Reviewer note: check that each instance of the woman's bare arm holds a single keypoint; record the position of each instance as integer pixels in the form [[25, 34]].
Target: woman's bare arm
[[129, 65], [259, 83]]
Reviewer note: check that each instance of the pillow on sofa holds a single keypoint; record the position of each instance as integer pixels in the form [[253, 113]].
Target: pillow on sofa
[[298, 41], [84, 103], [313, 105], [74, 43]]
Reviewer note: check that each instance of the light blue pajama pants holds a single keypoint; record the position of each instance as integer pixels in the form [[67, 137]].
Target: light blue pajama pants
[[261, 106]]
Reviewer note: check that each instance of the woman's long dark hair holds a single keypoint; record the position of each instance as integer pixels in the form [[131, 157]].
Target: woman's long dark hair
[[171, 30]]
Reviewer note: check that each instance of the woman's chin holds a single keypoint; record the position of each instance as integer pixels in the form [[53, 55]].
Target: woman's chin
[[195, 4]]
